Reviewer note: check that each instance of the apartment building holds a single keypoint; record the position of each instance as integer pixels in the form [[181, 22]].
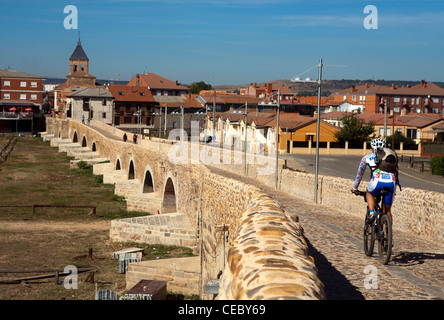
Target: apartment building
[[426, 97], [20, 91]]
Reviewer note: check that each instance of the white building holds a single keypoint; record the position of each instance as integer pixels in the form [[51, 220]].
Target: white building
[[93, 103]]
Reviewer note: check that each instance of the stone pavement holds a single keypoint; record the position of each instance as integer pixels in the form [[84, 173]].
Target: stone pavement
[[415, 271]]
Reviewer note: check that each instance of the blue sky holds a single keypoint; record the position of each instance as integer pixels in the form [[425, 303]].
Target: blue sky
[[227, 42]]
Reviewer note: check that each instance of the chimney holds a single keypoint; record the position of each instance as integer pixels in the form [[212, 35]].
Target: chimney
[[353, 89], [423, 83], [366, 85], [177, 82], [137, 80], [393, 86]]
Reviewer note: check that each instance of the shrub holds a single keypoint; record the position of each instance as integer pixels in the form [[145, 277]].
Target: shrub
[[437, 164]]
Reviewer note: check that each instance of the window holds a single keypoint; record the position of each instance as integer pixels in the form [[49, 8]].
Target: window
[[158, 92], [434, 110], [354, 98], [120, 93], [165, 92], [103, 102], [381, 132], [75, 68], [396, 99], [396, 109], [404, 100], [435, 100], [82, 67], [22, 84], [33, 84], [7, 83], [104, 115], [413, 101], [33, 97], [85, 104], [22, 96], [6, 96], [417, 100], [412, 133]]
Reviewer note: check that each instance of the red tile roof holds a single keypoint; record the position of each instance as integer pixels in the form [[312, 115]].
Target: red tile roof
[[130, 93], [422, 89], [154, 81]]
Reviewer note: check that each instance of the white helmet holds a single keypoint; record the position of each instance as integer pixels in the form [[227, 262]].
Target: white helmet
[[378, 143]]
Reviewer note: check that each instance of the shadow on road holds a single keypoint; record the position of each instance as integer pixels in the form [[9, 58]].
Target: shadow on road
[[415, 258], [337, 287]]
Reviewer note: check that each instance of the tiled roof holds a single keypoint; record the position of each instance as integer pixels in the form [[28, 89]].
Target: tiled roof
[[154, 81], [97, 92], [130, 93], [291, 121], [231, 98], [422, 89], [18, 74], [419, 120]]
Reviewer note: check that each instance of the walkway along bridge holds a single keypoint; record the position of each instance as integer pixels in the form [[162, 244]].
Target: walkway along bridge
[[259, 242]]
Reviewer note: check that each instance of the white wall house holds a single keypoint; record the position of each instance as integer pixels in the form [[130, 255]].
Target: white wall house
[[92, 103]]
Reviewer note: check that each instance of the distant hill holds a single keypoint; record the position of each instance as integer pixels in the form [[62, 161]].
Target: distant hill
[[328, 86]]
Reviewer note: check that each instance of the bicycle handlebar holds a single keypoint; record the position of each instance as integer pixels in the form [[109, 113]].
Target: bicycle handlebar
[[361, 193]]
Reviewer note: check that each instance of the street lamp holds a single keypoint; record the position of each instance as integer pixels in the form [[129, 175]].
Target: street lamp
[[319, 83], [246, 129], [278, 106], [160, 122]]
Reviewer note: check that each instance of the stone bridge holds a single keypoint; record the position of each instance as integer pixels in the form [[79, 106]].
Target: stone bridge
[[243, 236]]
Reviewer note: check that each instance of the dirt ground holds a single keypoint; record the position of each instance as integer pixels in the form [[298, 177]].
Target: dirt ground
[[54, 238]]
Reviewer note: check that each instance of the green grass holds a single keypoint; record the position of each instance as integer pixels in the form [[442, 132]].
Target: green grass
[[36, 173]]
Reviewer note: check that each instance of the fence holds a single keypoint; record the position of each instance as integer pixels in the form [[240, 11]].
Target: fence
[[346, 148]]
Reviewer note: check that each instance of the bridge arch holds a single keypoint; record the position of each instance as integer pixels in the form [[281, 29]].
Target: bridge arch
[[169, 204], [84, 143], [74, 137], [118, 166], [93, 147], [148, 180], [131, 171]]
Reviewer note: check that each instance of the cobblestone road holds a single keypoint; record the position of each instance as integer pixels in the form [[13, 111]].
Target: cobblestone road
[[415, 271]]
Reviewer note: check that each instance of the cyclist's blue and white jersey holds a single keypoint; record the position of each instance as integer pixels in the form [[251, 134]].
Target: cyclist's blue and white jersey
[[380, 179]]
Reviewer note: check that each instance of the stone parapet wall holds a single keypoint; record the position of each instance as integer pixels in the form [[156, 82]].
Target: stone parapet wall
[[414, 210], [182, 274], [269, 258], [153, 229]]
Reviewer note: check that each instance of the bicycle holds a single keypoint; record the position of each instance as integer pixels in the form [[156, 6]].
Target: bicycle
[[380, 228]]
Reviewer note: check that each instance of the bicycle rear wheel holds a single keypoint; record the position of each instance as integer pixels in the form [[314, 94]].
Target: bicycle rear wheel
[[369, 236], [385, 239]]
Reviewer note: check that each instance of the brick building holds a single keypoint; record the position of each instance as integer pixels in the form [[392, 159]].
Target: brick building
[[426, 97], [20, 91], [158, 85], [133, 107]]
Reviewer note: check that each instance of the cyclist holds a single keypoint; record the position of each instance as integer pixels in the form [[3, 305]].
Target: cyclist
[[379, 179]]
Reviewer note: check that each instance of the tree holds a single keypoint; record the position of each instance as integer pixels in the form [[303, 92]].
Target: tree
[[355, 129], [197, 87], [399, 137]]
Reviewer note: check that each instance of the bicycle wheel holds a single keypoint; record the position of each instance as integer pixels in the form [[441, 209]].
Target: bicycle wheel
[[385, 239], [369, 236]]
